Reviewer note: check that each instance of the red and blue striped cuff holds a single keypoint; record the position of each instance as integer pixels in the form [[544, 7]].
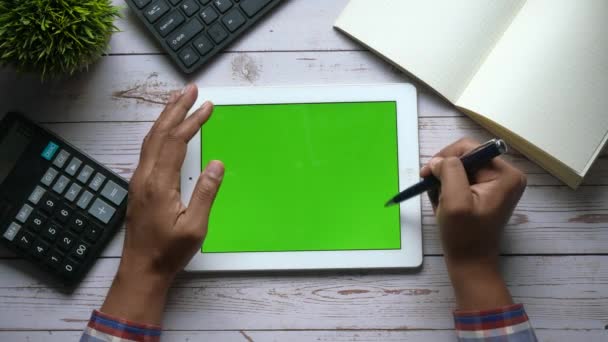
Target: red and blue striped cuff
[[490, 319], [124, 329]]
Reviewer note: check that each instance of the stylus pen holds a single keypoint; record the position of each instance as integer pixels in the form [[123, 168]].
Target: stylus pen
[[471, 161]]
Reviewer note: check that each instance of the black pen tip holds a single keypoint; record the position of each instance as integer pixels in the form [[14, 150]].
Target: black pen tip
[[389, 204]]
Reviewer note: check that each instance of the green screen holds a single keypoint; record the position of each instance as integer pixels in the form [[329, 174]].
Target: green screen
[[303, 177]]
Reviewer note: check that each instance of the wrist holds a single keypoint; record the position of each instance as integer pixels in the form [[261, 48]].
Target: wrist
[[478, 284]]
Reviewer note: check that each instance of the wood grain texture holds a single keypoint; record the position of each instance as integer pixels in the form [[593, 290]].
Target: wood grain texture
[[559, 292]]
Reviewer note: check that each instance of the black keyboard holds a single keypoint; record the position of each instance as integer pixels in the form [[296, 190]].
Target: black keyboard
[[193, 31], [58, 207]]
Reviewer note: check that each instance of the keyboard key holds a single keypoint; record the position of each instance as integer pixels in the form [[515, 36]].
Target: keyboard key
[[203, 45], [54, 259], [51, 231], [61, 158], [188, 56], [156, 10], [184, 33], [81, 250], [36, 195], [84, 200], [12, 231], [24, 213], [77, 223], [73, 166], [39, 248], [141, 3], [209, 15], [73, 192], [49, 176], [66, 241], [63, 214], [169, 23], [26, 240], [252, 7], [49, 203], [204, 2], [97, 181], [189, 7], [61, 184], [233, 19], [222, 5], [69, 267], [102, 211], [49, 150], [85, 174], [92, 233], [37, 221], [217, 33]]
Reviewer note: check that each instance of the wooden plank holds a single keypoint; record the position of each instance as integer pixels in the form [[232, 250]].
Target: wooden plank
[[307, 336], [135, 88], [566, 292], [295, 25]]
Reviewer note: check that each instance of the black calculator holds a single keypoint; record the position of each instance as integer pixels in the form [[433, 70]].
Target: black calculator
[[58, 207]]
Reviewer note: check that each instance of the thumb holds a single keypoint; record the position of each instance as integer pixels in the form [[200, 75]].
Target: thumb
[[455, 187], [204, 193]]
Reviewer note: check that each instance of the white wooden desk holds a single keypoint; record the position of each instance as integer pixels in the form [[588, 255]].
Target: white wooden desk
[[556, 246]]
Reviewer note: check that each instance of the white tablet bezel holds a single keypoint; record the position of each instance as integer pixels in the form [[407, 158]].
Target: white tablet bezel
[[410, 254]]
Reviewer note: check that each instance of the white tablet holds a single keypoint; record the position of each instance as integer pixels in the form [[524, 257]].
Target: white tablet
[[308, 171]]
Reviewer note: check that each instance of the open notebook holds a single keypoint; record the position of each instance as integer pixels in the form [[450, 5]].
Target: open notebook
[[532, 72]]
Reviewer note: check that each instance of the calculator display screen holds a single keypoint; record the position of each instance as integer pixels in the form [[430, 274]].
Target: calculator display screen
[[304, 177], [12, 146]]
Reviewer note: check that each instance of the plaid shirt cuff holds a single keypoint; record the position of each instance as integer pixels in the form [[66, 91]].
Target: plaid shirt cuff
[[106, 328], [509, 323]]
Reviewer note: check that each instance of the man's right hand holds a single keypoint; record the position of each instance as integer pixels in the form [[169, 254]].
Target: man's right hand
[[471, 214]]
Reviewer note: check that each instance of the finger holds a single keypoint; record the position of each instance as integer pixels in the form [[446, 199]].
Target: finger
[[173, 152], [203, 196], [456, 193], [459, 148]]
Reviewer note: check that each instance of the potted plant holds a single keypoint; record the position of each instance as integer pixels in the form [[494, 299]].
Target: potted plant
[[54, 37]]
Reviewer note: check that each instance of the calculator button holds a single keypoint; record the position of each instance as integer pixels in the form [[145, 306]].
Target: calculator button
[[61, 158], [156, 10], [73, 192], [97, 181], [188, 56], [68, 267], [12, 231], [84, 200], [92, 233], [77, 223], [73, 166], [49, 176], [66, 241], [141, 3], [203, 45], [209, 15], [61, 184], [233, 20], [81, 250], [189, 7], [63, 214], [51, 231], [54, 259], [39, 248], [184, 33], [114, 192], [217, 33], [169, 23], [26, 240], [37, 221], [36, 195], [49, 150], [222, 5], [49, 203], [102, 211], [85, 174], [24, 213]]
